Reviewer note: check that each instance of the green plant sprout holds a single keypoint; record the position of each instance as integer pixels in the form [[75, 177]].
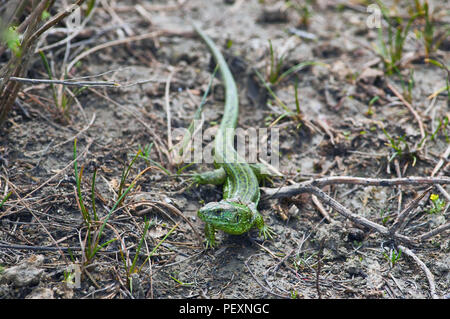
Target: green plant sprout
[[180, 282], [384, 219], [400, 147], [275, 66], [90, 7], [372, 101], [442, 126], [437, 204], [5, 199], [69, 277], [297, 115], [407, 87], [304, 11], [393, 256], [11, 38]]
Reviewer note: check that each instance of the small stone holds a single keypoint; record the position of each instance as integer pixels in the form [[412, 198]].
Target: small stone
[[437, 220], [370, 75], [41, 293], [273, 14], [25, 274], [355, 234]]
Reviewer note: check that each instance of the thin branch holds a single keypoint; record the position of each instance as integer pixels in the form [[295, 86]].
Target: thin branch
[[425, 269], [68, 82], [403, 214], [259, 282], [441, 161], [169, 114], [58, 18], [144, 36], [384, 231], [432, 233], [321, 209], [410, 108], [292, 190]]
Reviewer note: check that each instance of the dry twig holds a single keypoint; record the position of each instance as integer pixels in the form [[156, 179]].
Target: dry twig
[[410, 108], [425, 269]]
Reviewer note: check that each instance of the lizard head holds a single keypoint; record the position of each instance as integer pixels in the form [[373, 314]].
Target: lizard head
[[230, 216]]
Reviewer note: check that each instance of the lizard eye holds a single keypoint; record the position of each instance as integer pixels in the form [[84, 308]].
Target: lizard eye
[[237, 219]]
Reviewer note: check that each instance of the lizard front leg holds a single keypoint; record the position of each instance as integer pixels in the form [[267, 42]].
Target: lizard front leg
[[210, 234], [258, 221], [264, 230]]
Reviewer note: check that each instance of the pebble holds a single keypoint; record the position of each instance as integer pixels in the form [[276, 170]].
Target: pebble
[[27, 273]]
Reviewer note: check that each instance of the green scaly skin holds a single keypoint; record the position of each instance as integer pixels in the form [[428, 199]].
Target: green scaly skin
[[236, 213]]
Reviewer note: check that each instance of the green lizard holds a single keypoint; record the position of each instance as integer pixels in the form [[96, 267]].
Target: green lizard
[[237, 212]]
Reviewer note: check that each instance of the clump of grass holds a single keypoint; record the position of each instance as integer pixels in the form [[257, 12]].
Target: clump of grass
[[384, 217], [61, 97], [428, 32], [442, 126], [131, 266], [297, 116], [275, 76], [400, 148], [398, 30], [20, 44], [391, 50], [276, 64], [447, 70], [443, 123], [304, 11], [94, 225]]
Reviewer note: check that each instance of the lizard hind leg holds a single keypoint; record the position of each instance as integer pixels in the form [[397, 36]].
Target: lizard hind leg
[[215, 177]]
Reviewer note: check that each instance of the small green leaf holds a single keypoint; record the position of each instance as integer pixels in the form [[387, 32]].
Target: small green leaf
[[11, 37], [45, 15]]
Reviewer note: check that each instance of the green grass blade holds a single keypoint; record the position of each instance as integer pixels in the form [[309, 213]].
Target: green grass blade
[[94, 209], [50, 75], [277, 99], [147, 225], [159, 244], [5, 199], [298, 67]]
